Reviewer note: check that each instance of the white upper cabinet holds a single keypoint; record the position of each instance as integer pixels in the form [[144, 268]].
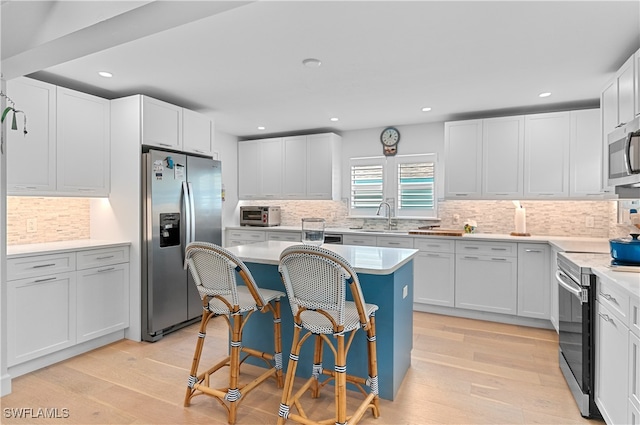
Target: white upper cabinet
[[31, 158], [161, 124], [463, 164], [197, 133], [626, 91], [546, 165], [502, 157], [323, 164], [249, 165], [66, 150], [637, 81], [271, 168], [295, 167], [83, 128], [586, 154]]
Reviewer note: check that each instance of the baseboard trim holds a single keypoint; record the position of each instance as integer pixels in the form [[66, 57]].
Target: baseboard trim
[[483, 315]]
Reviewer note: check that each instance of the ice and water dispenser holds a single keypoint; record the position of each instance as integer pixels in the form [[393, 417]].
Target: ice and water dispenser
[[169, 229]]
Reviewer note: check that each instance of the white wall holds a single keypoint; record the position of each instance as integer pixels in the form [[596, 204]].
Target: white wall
[[414, 139], [5, 379]]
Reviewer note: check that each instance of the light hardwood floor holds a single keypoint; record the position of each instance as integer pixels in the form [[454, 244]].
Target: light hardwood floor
[[462, 372]]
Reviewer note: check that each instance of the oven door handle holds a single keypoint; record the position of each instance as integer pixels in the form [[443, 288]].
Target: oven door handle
[[564, 281]]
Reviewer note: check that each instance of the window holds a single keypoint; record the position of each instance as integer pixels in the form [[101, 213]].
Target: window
[[407, 182]]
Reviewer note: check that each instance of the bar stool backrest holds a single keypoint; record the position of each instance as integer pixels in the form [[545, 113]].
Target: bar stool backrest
[[214, 271], [315, 278]]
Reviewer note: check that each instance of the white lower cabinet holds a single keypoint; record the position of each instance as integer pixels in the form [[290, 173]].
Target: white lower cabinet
[[486, 281], [616, 355], [284, 236], [434, 272], [533, 280], [243, 237], [634, 378], [40, 316], [57, 301], [102, 301], [362, 240]]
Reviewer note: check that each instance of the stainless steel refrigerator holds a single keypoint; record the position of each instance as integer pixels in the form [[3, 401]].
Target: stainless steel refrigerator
[[181, 202]]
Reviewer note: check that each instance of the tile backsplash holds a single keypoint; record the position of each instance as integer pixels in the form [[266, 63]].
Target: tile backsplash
[[60, 219], [596, 219], [52, 219]]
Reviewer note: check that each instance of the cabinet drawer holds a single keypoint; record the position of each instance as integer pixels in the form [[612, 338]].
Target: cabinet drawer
[[40, 265], [284, 236], [434, 245], [359, 240], [506, 249], [394, 242], [102, 257], [614, 299], [246, 235], [634, 316]]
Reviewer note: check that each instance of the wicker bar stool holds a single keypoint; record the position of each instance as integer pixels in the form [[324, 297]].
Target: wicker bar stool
[[316, 279], [214, 271]]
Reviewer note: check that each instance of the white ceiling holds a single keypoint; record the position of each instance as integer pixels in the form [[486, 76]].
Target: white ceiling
[[382, 61]]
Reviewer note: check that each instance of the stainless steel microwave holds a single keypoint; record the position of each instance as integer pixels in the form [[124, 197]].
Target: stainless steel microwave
[[259, 216], [624, 155]]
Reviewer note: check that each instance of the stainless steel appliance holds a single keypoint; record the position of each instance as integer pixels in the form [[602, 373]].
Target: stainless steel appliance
[[576, 298], [259, 216], [181, 202], [333, 238], [624, 158]]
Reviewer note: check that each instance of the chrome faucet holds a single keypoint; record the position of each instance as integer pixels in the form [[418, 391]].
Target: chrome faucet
[[388, 213]]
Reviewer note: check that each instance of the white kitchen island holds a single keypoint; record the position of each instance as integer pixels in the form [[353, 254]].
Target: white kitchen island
[[386, 278]]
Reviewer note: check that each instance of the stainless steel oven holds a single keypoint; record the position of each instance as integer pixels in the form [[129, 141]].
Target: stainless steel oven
[[576, 297]]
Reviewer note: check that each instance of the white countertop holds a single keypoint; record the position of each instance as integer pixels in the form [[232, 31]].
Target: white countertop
[[628, 281], [364, 259], [54, 247], [563, 243]]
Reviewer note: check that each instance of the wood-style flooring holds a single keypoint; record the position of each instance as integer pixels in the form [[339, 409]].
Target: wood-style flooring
[[462, 372]]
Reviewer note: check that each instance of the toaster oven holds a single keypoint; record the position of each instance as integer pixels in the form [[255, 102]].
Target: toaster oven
[[260, 216]]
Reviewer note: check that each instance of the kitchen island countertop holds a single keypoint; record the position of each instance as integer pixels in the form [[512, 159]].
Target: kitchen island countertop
[[364, 259]]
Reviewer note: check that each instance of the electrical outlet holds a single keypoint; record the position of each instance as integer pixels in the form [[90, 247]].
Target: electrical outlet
[[32, 225], [589, 221], [405, 291], [456, 219]]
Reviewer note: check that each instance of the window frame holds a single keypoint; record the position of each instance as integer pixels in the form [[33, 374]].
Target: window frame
[[390, 185]]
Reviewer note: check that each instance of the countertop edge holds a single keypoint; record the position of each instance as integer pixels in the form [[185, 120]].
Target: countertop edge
[[28, 250], [629, 282]]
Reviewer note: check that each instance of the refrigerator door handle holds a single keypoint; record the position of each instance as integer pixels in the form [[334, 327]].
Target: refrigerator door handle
[[192, 211], [186, 196]]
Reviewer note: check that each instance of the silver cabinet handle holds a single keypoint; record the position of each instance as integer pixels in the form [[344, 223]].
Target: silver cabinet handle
[[106, 270], [165, 144], [608, 297], [498, 259], [461, 194], [44, 280], [105, 257], [471, 247], [39, 266], [466, 257], [498, 249], [532, 250], [607, 318], [430, 254]]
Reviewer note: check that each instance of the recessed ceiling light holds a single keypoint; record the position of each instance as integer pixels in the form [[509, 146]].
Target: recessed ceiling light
[[105, 74], [426, 109], [261, 127], [545, 94], [312, 63], [334, 119]]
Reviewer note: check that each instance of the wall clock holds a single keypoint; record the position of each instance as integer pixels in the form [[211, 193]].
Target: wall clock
[[389, 138]]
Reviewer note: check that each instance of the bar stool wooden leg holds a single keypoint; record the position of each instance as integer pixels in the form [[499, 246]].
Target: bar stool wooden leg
[[285, 405], [277, 342], [341, 381], [193, 375], [373, 364], [233, 394], [317, 366]]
